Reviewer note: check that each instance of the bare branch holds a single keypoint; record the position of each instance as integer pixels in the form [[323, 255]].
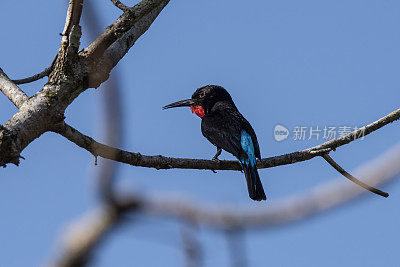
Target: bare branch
[[292, 209], [235, 238], [69, 78], [161, 162], [35, 77], [190, 244], [76, 253], [123, 24], [120, 47], [121, 6], [38, 76], [13, 92], [86, 234], [73, 17], [352, 178]]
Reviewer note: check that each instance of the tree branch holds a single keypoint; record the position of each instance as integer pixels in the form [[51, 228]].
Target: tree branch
[[13, 92], [190, 244], [35, 77], [123, 24], [235, 238], [121, 6], [73, 17], [84, 236], [69, 78], [44, 73], [292, 209], [161, 162], [352, 178], [102, 66], [87, 232]]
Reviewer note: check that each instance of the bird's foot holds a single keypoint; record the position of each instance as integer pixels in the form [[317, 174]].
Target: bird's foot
[[216, 159]]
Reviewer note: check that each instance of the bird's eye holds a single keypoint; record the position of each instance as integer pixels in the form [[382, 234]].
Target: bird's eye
[[202, 94]]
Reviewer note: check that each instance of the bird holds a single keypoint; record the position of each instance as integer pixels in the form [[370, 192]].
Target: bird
[[226, 128]]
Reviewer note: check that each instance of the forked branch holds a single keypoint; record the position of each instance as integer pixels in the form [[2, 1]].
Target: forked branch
[[122, 25], [121, 6]]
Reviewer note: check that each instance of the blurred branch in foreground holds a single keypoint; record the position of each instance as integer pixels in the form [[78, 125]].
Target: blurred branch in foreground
[[111, 127], [85, 234], [191, 245], [235, 239]]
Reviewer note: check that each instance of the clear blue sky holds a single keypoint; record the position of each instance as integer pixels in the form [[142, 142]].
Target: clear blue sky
[[296, 63]]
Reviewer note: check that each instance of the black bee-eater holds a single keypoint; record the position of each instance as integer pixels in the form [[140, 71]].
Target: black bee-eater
[[224, 126]]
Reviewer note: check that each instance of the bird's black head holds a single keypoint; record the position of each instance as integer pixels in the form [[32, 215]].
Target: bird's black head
[[208, 95], [203, 99]]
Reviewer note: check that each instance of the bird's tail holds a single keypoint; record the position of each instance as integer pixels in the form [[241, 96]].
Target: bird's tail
[[256, 190]]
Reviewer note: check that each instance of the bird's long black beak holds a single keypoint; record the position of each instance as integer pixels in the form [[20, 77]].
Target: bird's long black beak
[[182, 103]]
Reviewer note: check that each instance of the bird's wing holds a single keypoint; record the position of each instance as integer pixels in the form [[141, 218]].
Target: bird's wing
[[224, 131], [234, 115], [247, 127]]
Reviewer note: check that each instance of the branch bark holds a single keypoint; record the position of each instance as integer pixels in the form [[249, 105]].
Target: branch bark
[[161, 162], [70, 77], [113, 51], [72, 19], [123, 24], [12, 91], [35, 77], [121, 6], [352, 178]]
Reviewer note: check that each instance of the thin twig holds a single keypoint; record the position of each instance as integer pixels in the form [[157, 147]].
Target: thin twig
[[38, 76], [35, 77], [352, 178], [121, 6], [161, 162]]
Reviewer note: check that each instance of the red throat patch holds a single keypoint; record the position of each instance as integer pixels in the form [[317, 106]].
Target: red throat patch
[[198, 110]]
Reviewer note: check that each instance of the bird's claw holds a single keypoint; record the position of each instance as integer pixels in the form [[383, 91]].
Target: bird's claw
[[216, 159]]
